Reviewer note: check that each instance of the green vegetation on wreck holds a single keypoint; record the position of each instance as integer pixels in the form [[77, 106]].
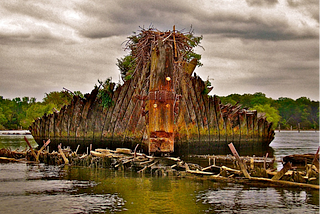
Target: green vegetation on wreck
[[130, 63]]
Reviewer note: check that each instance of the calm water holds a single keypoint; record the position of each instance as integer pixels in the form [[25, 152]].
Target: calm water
[[29, 188]]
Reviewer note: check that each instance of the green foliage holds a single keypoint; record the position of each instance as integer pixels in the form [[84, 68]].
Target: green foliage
[[20, 113], [126, 65], [272, 113], [247, 100], [208, 87], [36, 110], [105, 93], [194, 41], [3, 119], [59, 99], [142, 50], [291, 112]]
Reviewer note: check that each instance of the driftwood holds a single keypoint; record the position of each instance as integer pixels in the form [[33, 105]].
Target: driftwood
[[41, 149], [125, 159], [32, 151], [100, 154], [283, 171], [11, 159], [66, 161], [285, 183], [315, 160], [242, 166], [300, 158]]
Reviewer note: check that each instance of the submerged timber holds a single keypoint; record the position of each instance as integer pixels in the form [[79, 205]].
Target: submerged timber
[[163, 107], [236, 169]]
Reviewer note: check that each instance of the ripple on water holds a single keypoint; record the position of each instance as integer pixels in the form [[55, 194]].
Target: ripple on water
[[63, 203], [40, 189], [240, 199]]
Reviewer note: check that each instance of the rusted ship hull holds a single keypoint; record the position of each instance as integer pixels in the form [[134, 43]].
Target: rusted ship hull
[[164, 109], [202, 125]]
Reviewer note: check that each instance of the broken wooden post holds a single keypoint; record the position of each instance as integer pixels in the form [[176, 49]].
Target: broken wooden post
[[236, 155], [66, 161], [283, 171], [42, 148], [264, 161], [32, 151], [252, 163], [77, 149], [161, 100], [315, 160]]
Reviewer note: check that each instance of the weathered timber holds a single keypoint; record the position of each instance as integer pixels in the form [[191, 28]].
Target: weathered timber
[[163, 107], [41, 149], [236, 155], [302, 159], [282, 172], [31, 149], [125, 159], [315, 160], [161, 101]]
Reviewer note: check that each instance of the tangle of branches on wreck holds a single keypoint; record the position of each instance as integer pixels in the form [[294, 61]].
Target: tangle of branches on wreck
[[182, 44]]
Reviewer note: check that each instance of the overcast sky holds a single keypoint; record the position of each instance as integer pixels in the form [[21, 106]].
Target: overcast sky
[[268, 46]]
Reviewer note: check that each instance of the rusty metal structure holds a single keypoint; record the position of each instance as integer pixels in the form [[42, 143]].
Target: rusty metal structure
[[163, 108]]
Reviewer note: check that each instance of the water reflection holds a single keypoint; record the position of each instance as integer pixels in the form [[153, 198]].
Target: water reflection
[[43, 189], [16, 141], [144, 194], [240, 199], [40, 188], [290, 142]]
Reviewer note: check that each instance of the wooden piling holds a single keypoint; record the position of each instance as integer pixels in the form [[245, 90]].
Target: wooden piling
[[242, 166]]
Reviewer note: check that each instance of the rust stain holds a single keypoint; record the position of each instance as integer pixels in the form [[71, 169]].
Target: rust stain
[[161, 102]]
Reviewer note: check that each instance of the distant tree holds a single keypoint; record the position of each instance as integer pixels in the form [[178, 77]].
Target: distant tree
[[58, 99], [272, 114], [287, 108], [247, 100], [232, 99], [3, 119], [35, 111], [259, 98]]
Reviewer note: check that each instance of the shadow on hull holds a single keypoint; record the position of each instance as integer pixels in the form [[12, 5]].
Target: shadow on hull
[[180, 149]]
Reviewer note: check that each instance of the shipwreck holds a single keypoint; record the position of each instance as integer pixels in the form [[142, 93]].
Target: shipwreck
[[162, 107]]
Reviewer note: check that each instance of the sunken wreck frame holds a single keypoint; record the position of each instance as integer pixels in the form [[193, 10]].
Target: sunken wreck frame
[[163, 107]]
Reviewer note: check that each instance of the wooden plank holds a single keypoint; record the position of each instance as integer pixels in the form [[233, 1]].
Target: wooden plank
[[66, 161], [282, 172], [285, 183], [42, 148], [161, 101], [315, 160], [32, 151], [236, 155]]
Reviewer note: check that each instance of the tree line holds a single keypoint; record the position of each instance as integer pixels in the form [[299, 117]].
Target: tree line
[[287, 113], [283, 112], [19, 113]]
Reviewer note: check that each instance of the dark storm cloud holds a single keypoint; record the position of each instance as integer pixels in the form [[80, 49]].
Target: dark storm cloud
[[120, 17], [249, 45], [309, 7], [272, 67], [123, 17], [261, 2]]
